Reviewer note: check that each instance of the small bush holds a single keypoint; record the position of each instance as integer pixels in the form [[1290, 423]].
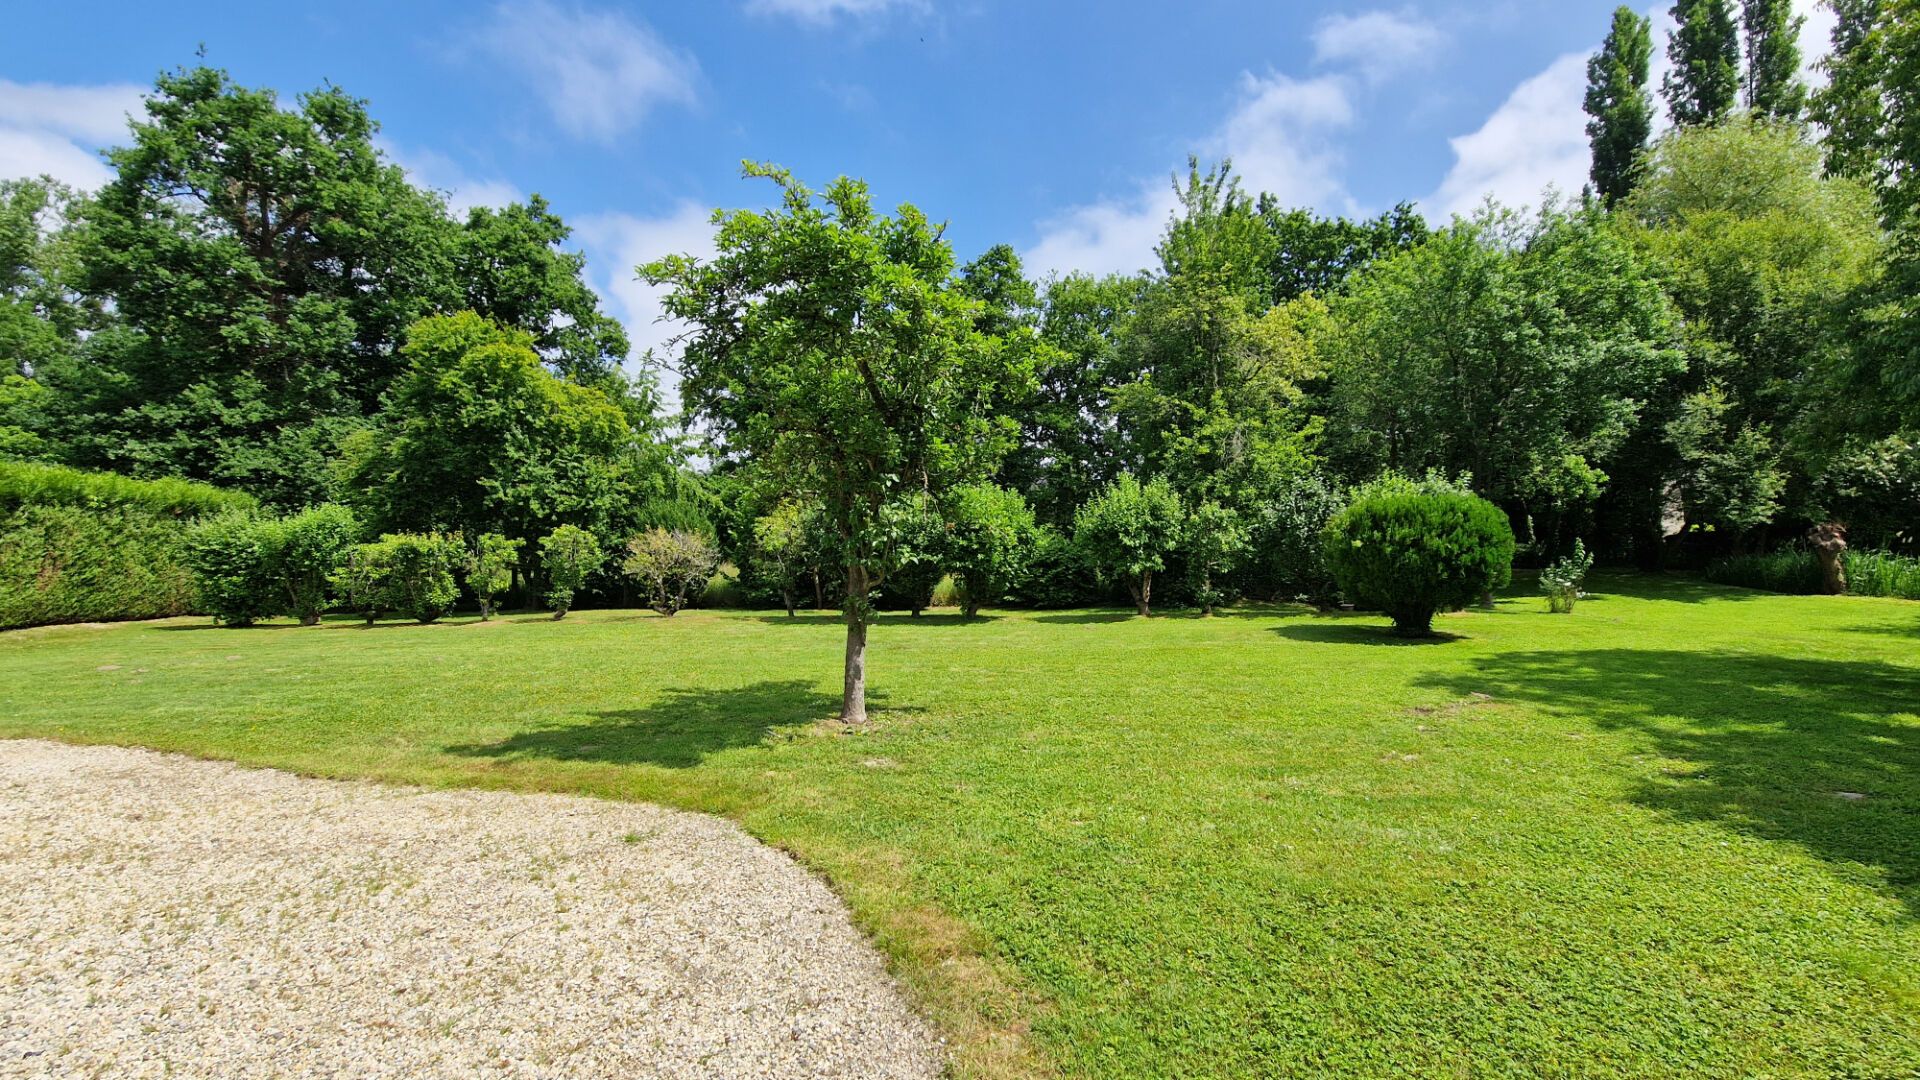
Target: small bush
[[304, 553], [670, 564], [418, 574], [1127, 531], [1412, 555], [1562, 580], [1788, 570], [360, 582], [568, 554], [231, 555], [489, 568]]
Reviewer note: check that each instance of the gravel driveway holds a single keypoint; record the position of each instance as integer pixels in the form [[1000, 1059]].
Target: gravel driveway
[[161, 916]]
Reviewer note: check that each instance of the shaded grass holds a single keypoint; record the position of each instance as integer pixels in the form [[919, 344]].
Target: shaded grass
[[1673, 833]]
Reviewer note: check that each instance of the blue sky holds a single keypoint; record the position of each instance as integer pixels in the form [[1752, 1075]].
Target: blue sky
[[1050, 126]]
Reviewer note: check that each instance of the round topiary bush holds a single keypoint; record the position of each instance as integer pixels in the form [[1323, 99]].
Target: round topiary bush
[[1411, 555]]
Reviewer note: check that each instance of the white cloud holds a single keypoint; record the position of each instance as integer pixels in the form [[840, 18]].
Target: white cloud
[[430, 168], [1279, 135], [599, 72], [1378, 44], [1536, 139], [616, 243], [1816, 38], [823, 11], [56, 130]]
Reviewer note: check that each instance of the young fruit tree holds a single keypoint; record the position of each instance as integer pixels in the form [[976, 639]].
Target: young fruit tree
[[669, 565], [989, 538], [780, 551], [832, 346], [1411, 555], [1128, 530], [568, 553], [490, 562]]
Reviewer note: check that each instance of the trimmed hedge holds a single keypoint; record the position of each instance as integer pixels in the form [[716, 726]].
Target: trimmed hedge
[[1412, 555], [77, 546]]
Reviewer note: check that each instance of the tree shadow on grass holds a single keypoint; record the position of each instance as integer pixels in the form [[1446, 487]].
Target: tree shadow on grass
[[1328, 630], [1821, 753], [812, 618], [680, 729]]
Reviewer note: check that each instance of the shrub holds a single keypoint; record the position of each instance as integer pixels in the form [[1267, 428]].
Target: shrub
[[1290, 561], [1877, 573], [919, 542], [417, 571], [31, 484], [1788, 570], [1216, 542], [489, 568], [1127, 531], [988, 542], [669, 565], [231, 555], [568, 554], [304, 552], [1411, 555], [782, 548], [360, 582], [1562, 580], [1057, 573]]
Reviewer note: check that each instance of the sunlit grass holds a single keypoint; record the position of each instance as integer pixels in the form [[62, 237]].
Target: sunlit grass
[[1674, 833]]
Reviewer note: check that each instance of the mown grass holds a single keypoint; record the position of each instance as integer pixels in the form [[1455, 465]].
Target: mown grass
[[1674, 833]]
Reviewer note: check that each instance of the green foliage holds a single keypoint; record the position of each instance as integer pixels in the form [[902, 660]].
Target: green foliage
[[491, 559], [1314, 255], [27, 484], [1289, 557], [1773, 83], [1563, 579], [1411, 555], [1730, 476], [568, 554], [1796, 570], [1849, 108], [1519, 351], [782, 548], [414, 573], [231, 556], [1619, 108], [481, 437], [1705, 50], [64, 562], [1216, 540], [989, 538], [917, 545], [1787, 570], [670, 565], [1127, 532], [305, 552]]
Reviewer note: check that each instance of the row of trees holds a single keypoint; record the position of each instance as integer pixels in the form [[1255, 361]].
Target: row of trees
[[249, 566], [1715, 344]]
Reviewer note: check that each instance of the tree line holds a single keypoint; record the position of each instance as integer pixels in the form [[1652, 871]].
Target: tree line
[[1707, 352]]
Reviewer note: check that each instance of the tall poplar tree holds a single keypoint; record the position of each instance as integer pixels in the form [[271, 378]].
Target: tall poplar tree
[[1705, 50], [1849, 106], [1619, 104], [1774, 88]]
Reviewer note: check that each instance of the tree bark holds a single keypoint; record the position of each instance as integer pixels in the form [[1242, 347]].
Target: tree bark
[[819, 594], [1829, 546], [853, 695], [786, 593], [1143, 594], [486, 611], [311, 619]]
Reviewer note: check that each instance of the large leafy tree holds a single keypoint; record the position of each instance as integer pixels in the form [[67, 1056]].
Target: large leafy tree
[[1773, 86], [1619, 108], [508, 264], [1705, 49], [1314, 254], [833, 346], [480, 437], [1849, 107], [1066, 449], [1520, 351], [1763, 256]]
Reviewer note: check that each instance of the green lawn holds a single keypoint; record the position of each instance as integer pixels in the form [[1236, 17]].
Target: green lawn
[[1270, 843]]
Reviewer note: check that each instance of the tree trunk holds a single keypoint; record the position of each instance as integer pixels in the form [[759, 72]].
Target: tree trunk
[[1206, 594], [559, 612], [486, 611], [819, 594], [853, 696], [1143, 595], [786, 594], [1830, 546], [310, 619]]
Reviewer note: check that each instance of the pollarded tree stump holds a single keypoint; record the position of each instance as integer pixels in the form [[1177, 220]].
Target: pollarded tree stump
[[1829, 543]]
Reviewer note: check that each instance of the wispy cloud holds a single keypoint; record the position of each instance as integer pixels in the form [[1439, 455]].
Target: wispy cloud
[[1377, 44], [1279, 134], [825, 11], [615, 243], [599, 72], [56, 130], [430, 168], [1536, 139]]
